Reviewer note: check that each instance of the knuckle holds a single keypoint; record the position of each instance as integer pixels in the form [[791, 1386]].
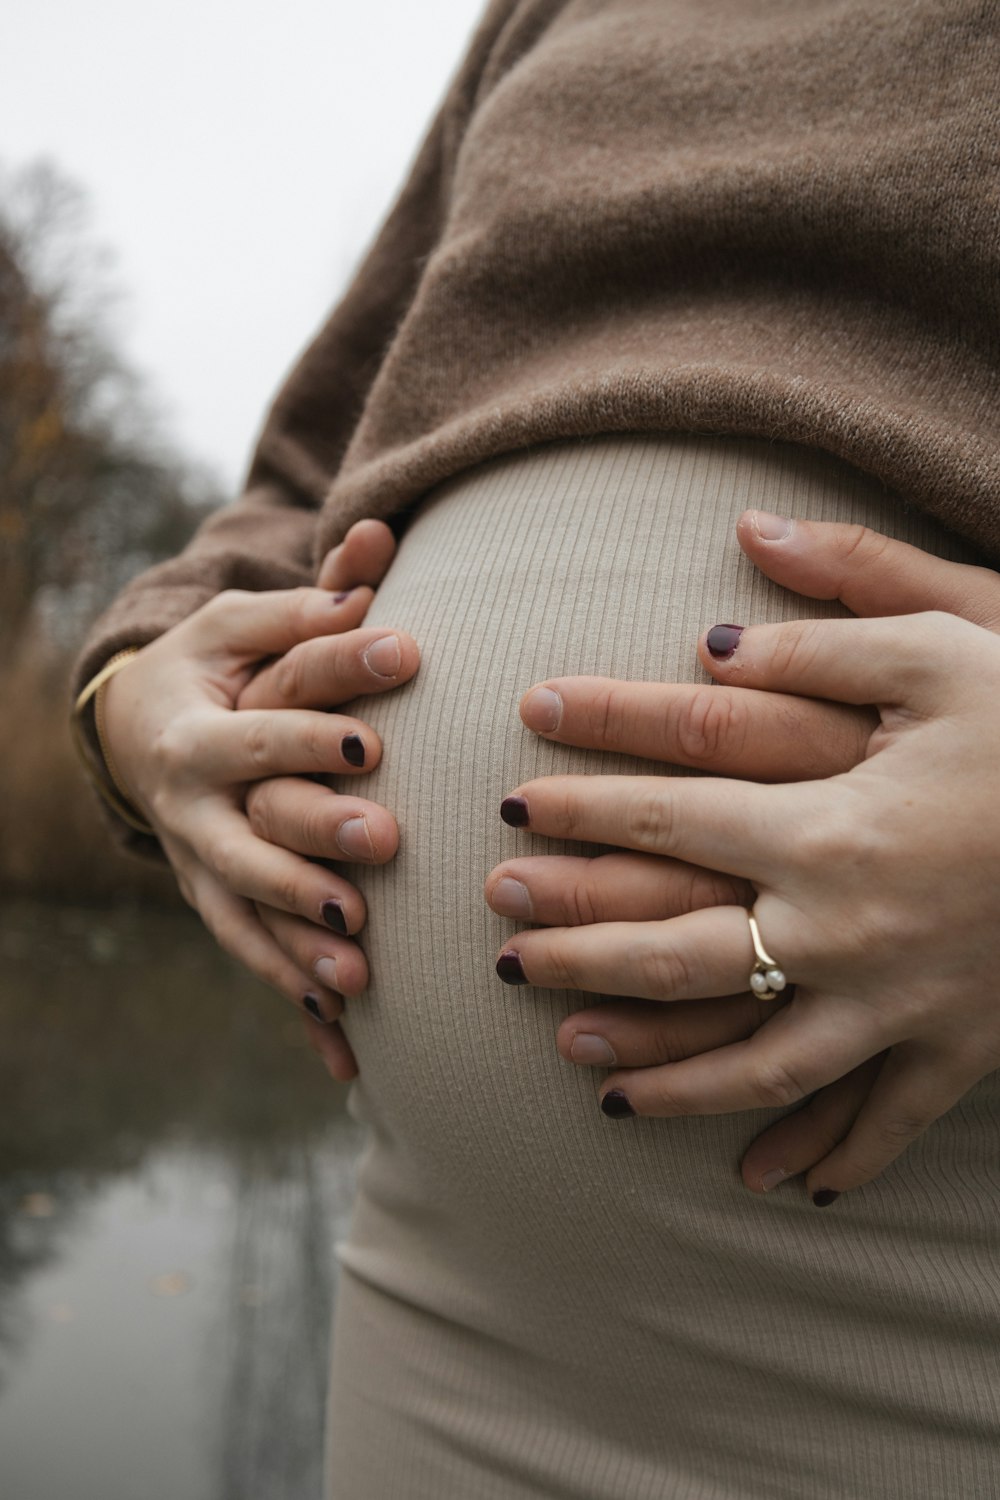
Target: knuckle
[[795, 647], [174, 748], [259, 807], [665, 1045], [609, 716], [258, 742], [662, 971], [582, 903], [314, 739], [836, 840], [650, 820], [312, 823], [224, 603], [861, 545], [896, 1131], [561, 972], [668, 1101], [224, 861], [775, 1086], [711, 725], [566, 809], [287, 895]]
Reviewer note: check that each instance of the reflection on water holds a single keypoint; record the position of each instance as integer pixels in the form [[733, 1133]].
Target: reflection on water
[[174, 1168]]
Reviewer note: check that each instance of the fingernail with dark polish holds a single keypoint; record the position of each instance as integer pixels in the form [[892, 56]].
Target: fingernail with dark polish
[[514, 810], [352, 748], [511, 969], [339, 598], [332, 912], [722, 640], [823, 1197], [312, 1005], [615, 1104]]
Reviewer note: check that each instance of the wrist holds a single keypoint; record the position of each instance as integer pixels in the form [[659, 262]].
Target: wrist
[[93, 739]]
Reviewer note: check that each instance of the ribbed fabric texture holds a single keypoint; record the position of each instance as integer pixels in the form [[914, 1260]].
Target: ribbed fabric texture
[[539, 1303]]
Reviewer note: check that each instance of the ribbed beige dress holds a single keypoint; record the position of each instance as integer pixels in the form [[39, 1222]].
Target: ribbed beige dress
[[537, 1302]]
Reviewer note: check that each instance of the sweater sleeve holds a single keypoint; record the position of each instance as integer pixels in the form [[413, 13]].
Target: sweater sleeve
[[264, 539]]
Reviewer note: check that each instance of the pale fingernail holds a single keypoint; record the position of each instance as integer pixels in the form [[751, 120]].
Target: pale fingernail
[[511, 898], [771, 1179], [383, 656], [587, 1048], [771, 528], [354, 838], [542, 710], [325, 970]]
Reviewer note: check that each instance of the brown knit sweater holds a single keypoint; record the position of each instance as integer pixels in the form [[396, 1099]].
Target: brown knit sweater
[[761, 217]]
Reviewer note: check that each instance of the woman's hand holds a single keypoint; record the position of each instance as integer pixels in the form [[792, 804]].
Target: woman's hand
[[868, 572], [187, 758], [286, 810]]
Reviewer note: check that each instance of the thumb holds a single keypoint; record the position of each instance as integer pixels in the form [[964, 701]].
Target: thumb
[[869, 573]]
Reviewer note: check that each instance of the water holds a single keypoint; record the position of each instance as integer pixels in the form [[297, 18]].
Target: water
[[175, 1166]]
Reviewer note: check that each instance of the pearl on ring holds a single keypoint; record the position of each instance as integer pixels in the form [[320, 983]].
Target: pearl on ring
[[763, 980], [766, 979]]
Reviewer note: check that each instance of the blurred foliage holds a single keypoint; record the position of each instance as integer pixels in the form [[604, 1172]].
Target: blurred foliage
[[91, 492], [53, 838]]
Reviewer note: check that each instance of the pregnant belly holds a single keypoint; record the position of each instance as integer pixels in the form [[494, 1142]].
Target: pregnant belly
[[504, 1228], [604, 557]]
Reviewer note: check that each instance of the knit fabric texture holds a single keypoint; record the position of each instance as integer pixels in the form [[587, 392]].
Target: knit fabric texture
[[713, 216]]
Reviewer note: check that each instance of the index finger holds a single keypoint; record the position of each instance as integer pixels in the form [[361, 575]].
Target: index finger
[[327, 671], [739, 731], [244, 624]]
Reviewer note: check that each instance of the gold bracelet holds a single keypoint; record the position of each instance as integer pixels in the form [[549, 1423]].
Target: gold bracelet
[[116, 795]]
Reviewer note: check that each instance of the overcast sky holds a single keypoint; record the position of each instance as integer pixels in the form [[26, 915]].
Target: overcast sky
[[238, 157]]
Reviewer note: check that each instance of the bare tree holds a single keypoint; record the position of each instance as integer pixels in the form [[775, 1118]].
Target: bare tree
[[90, 491]]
